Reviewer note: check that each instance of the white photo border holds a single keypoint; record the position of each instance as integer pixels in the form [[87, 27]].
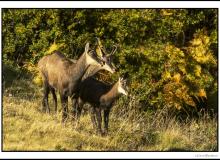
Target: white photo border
[[108, 4]]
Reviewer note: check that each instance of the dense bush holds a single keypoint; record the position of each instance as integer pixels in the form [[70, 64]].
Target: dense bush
[[170, 54]]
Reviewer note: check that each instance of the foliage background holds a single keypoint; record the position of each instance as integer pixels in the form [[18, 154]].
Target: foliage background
[[170, 54]]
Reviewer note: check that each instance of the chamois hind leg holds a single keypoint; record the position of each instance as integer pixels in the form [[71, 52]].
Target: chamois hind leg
[[106, 120], [74, 108], [79, 106], [64, 102], [93, 118], [99, 120], [45, 104], [54, 98]]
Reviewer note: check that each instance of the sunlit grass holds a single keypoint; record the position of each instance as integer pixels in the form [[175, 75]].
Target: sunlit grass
[[26, 128]]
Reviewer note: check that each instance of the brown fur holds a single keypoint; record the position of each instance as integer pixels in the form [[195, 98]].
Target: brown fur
[[64, 75], [60, 73]]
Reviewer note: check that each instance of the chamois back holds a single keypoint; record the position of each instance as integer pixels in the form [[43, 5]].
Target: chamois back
[[91, 90]]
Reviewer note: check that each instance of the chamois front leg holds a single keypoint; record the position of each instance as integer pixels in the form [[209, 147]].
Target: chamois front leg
[[45, 104], [93, 118], [54, 98], [106, 120], [74, 108], [78, 106], [64, 102], [99, 120]]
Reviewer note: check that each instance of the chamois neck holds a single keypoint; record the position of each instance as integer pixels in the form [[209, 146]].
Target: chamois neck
[[113, 92], [92, 70], [79, 68], [82, 60]]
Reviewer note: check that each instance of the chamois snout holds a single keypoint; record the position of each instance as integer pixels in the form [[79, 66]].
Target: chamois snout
[[109, 68], [122, 86]]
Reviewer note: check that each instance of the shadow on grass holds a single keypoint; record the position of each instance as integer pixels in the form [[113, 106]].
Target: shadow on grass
[[12, 73], [17, 82]]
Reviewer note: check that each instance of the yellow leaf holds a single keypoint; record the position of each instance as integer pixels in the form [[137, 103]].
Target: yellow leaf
[[52, 48], [177, 106], [176, 77], [196, 41], [37, 80], [182, 68], [167, 75], [202, 93], [197, 70], [166, 12]]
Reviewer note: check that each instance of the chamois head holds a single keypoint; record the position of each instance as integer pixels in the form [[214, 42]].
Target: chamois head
[[92, 58], [106, 58], [122, 86]]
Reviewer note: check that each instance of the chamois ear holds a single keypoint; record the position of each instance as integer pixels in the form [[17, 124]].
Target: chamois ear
[[120, 79], [87, 47], [123, 80]]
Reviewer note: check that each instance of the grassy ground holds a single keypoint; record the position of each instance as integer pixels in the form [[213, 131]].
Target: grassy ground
[[26, 128]]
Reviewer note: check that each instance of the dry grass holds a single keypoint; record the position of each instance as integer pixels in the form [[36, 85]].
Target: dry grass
[[26, 128]]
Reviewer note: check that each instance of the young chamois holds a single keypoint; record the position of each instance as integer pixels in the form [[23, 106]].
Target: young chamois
[[62, 74], [101, 97]]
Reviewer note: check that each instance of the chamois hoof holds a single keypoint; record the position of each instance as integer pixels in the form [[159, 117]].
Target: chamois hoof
[[48, 112], [105, 133], [101, 133]]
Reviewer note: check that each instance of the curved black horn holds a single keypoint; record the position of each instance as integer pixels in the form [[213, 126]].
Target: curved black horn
[[113, 50]]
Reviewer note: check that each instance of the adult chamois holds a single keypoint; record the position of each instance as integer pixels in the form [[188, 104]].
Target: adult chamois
[[101, 97], [62, 74]]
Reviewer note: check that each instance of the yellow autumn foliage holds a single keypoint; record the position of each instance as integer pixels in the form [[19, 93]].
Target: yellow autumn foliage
[[174, 51], [54, 47], [37, 80], [166, 75], [196, 42], [202, 93], [182, 68], [30, 67], [166, 12], [197, 70], [177, 77], [199, 49]]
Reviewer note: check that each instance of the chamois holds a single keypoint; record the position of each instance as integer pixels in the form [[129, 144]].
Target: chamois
[[62, 74], [92, 70], [101, 97]]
